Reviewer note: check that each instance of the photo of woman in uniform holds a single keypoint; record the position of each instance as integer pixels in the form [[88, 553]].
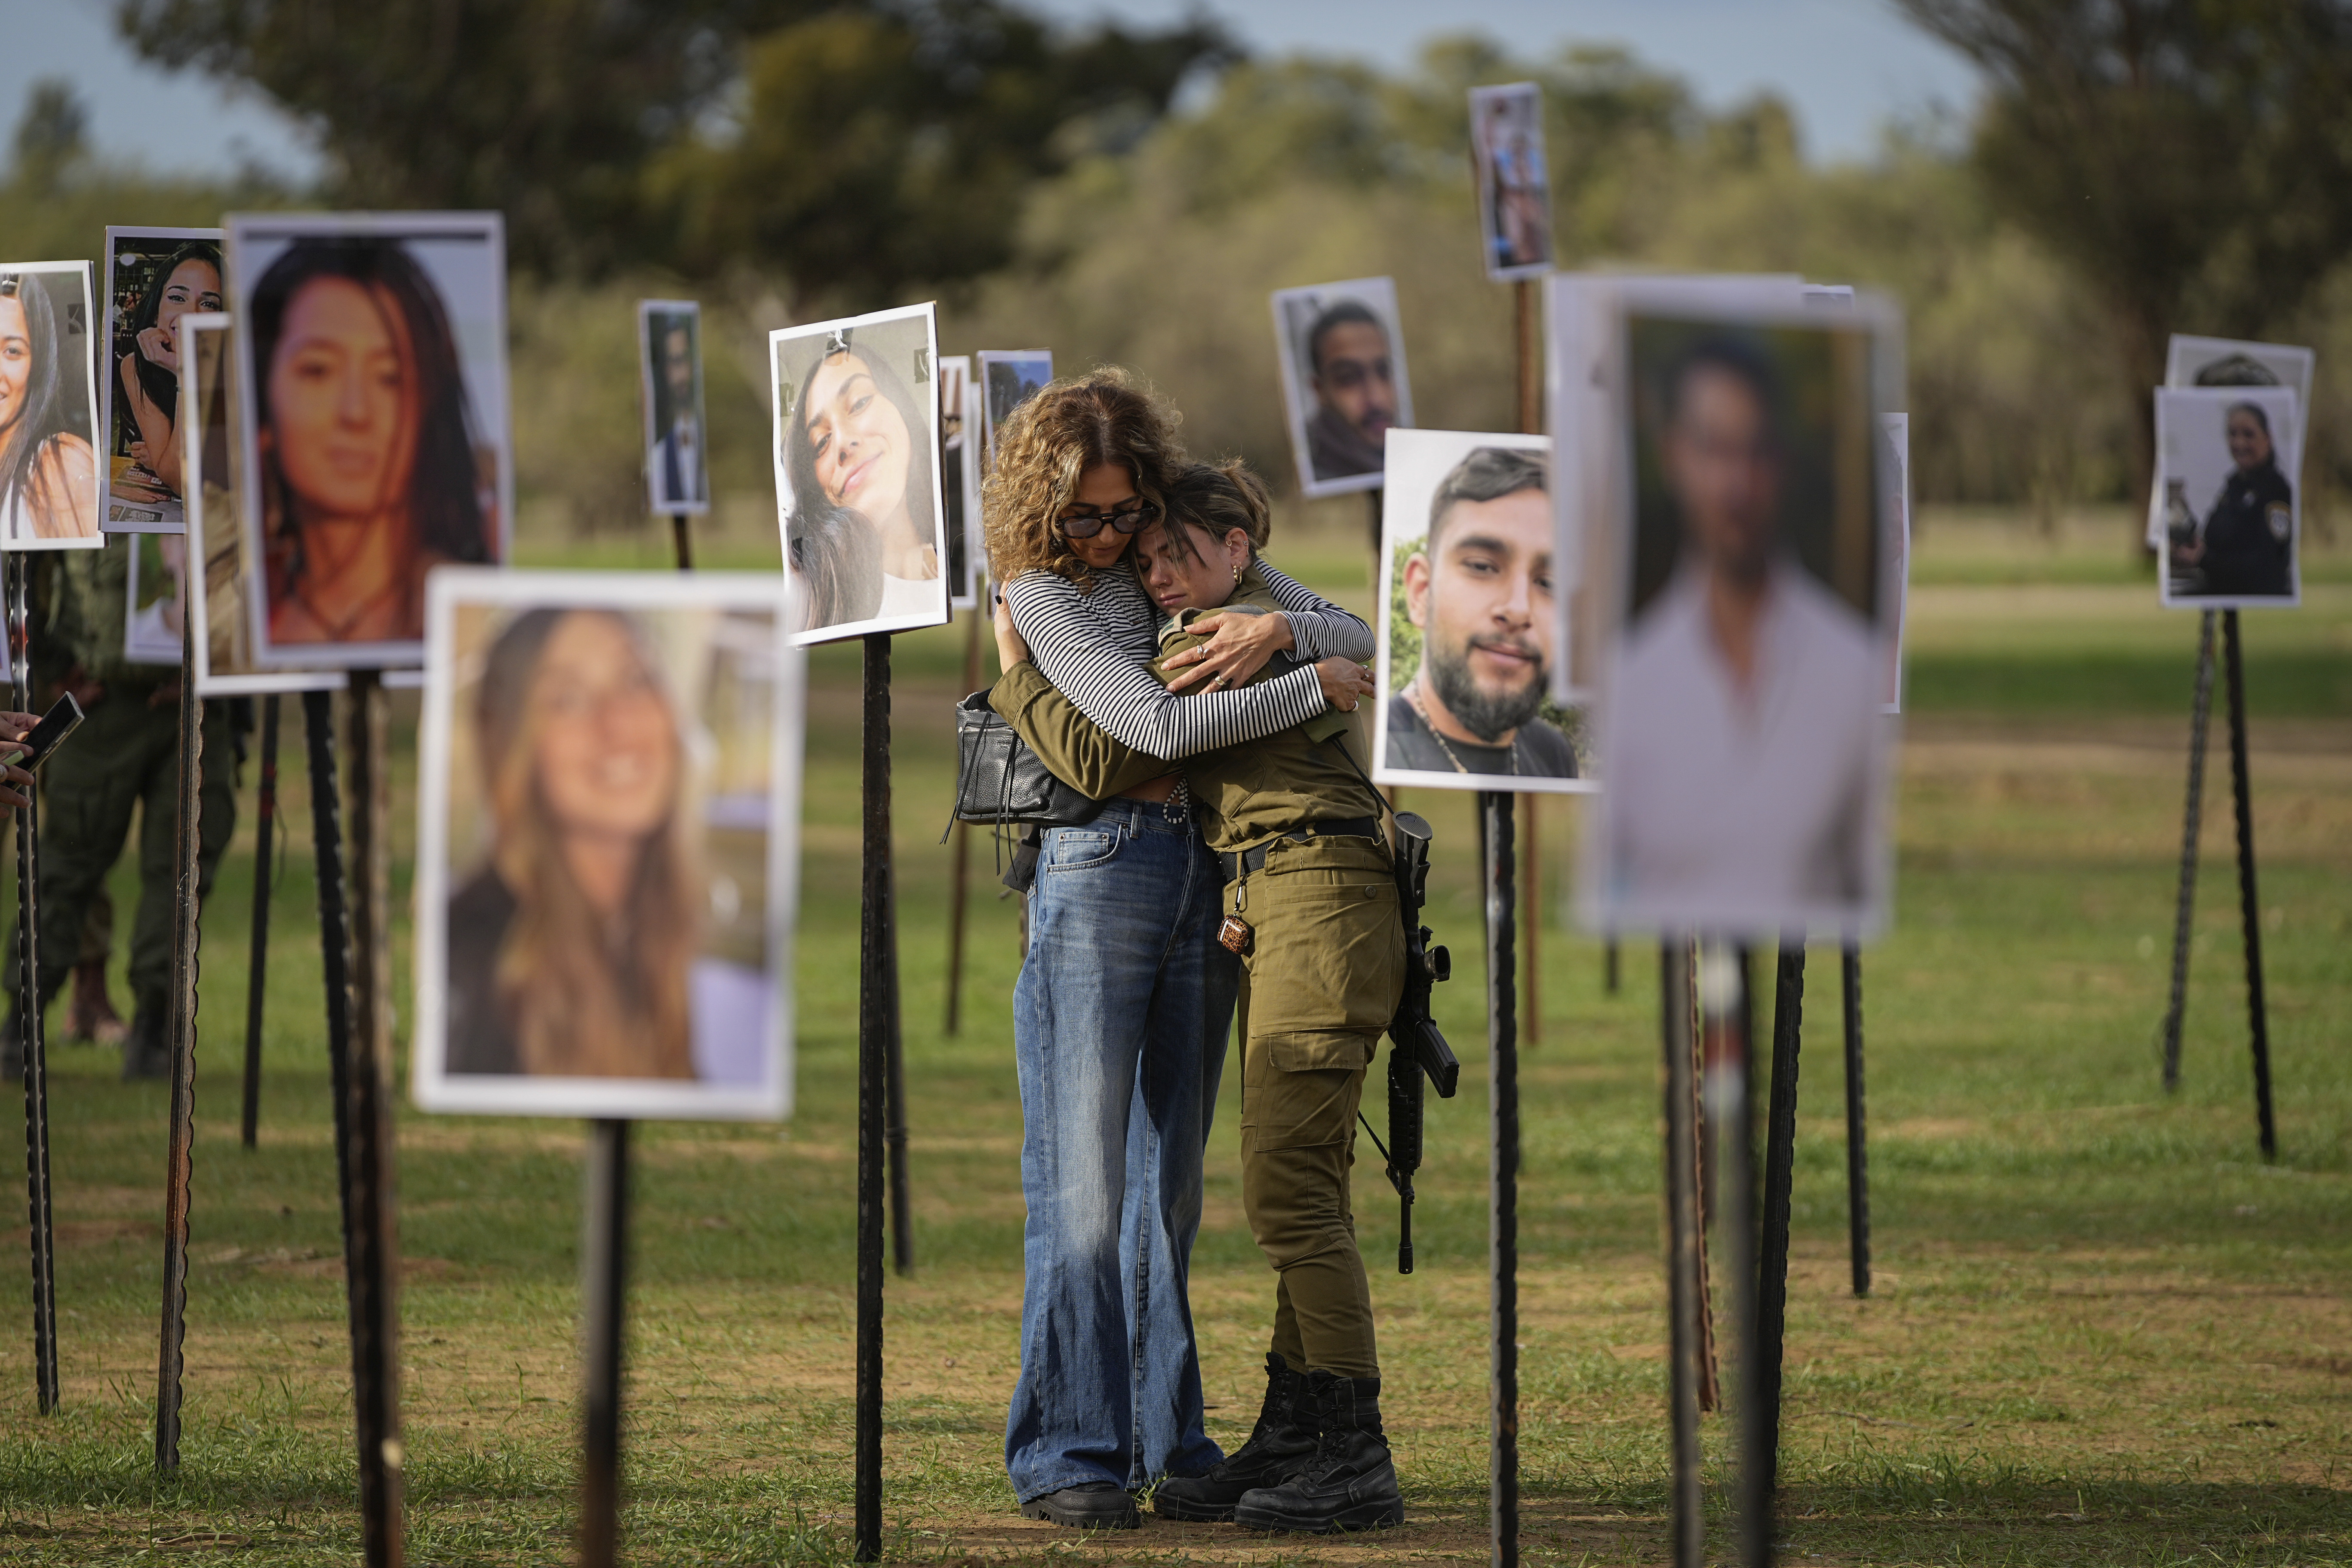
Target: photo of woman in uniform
[[165, 276], [857, 473], [49, 468], [368, 470], [2229, 506]]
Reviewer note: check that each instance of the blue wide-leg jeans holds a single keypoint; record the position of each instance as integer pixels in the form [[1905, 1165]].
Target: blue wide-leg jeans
[[1119, 1022]]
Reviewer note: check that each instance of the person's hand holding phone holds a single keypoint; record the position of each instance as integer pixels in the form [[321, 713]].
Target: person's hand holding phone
[[15, 782]]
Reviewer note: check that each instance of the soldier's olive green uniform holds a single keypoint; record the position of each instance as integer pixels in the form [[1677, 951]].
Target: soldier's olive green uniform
[[1322, 977], [125, 754]]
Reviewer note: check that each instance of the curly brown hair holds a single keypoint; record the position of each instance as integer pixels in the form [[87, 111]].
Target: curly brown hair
[[1108, 416]]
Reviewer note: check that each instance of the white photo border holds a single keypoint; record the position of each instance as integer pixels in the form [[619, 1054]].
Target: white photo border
[[109, 373], [98, 438]]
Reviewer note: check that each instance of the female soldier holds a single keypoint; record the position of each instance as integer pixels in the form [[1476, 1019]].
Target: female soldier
[[1298, 832], [1120, 1013], [2247, 545]]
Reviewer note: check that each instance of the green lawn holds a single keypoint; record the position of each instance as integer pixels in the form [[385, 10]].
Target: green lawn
[[2103, 1332]]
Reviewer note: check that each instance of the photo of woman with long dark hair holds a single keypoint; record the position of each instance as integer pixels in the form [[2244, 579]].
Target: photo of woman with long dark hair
[[373, 466], [569, 950], [857, 463], [48, 469], [144, 484]]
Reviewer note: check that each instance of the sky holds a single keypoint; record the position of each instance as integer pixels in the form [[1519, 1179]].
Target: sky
[[1847, 65]]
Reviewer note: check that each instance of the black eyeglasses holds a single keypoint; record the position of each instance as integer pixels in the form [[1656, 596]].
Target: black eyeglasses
[[1142, 516]]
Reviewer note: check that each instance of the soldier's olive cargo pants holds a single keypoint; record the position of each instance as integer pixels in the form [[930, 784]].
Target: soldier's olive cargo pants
[[126, 754], [1322, 979]]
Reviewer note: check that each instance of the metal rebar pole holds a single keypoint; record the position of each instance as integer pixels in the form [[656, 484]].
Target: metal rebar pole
[[1609, 965], [960, 867], [359, 1130], [1530, 925], [1688, 1519], [1779, 1176], [2249, 905], [1503, 1173], [873, 1028], [1724, 995], [180, 1144], [2200, 709], [32, 1043], [1858, 1145], [683, 539], [604, 1299], [257, 974]]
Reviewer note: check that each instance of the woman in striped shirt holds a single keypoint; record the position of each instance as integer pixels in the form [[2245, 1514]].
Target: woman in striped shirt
[[1124, 996]]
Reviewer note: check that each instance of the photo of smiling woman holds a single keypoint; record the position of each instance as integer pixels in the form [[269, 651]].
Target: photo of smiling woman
[[48, 469], [602, 776], [857, 473], [154, 276]]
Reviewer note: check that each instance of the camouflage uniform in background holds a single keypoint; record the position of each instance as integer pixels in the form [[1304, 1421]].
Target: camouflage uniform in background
[[125, 755]]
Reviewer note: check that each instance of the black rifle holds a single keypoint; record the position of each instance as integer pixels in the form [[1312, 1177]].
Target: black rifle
[[1419, 1047]]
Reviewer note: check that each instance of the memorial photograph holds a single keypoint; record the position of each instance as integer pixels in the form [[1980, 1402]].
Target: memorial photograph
[[1506, 147], [154, 278], [50, 475], [153, 599], [960, 481], [371, 382], [1009, 378], [1746, 581], [2232, 520], [2191, 361], [607, 845], [678, 469], [1341, 349], [859, 471], [1472, 631]]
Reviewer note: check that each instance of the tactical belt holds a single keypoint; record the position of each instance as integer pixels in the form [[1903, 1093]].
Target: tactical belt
[[1236, 866]]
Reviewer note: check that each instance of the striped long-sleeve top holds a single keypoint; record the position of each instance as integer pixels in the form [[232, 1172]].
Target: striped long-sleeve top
[[1096, 647]]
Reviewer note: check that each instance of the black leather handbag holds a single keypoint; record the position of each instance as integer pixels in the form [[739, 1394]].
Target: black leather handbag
[[999, 781]]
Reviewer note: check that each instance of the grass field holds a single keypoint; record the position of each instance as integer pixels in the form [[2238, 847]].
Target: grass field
[[2102, 1330]]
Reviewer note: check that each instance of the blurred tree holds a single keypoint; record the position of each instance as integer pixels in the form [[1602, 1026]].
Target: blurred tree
[[886, 146], [2187, 158], [881, 139], [52, 136]]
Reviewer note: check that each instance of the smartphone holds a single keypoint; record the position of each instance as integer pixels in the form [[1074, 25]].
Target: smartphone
[[62, 719]]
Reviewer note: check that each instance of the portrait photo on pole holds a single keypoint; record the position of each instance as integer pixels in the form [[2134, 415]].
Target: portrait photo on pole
[[2191, 361], [1469, 581], [2232, 518], [1344, 386], [1009, 378], [1507, 154], [373, 436], [1746, 586], [215, 528], [607, 845], [50, 473], [958, 489], [858, 472], [152, 599], [669, 351], [154, 278]]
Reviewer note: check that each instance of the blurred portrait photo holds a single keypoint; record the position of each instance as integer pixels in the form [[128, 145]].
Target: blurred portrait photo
[[1507, 146], [669, 340], [1343, 380], [607, 796], [151, 598], [1471, 635], [2231, 513], [1009, 378], [154, 276], [50, 472], [2228, 362], [859, 471], [957, 492], [215, 531], [372, 368], [1743, 716]]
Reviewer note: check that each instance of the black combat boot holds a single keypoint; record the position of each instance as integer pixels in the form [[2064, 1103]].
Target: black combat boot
[[1349, 1483], [1282, 1441], [147, 1049]]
